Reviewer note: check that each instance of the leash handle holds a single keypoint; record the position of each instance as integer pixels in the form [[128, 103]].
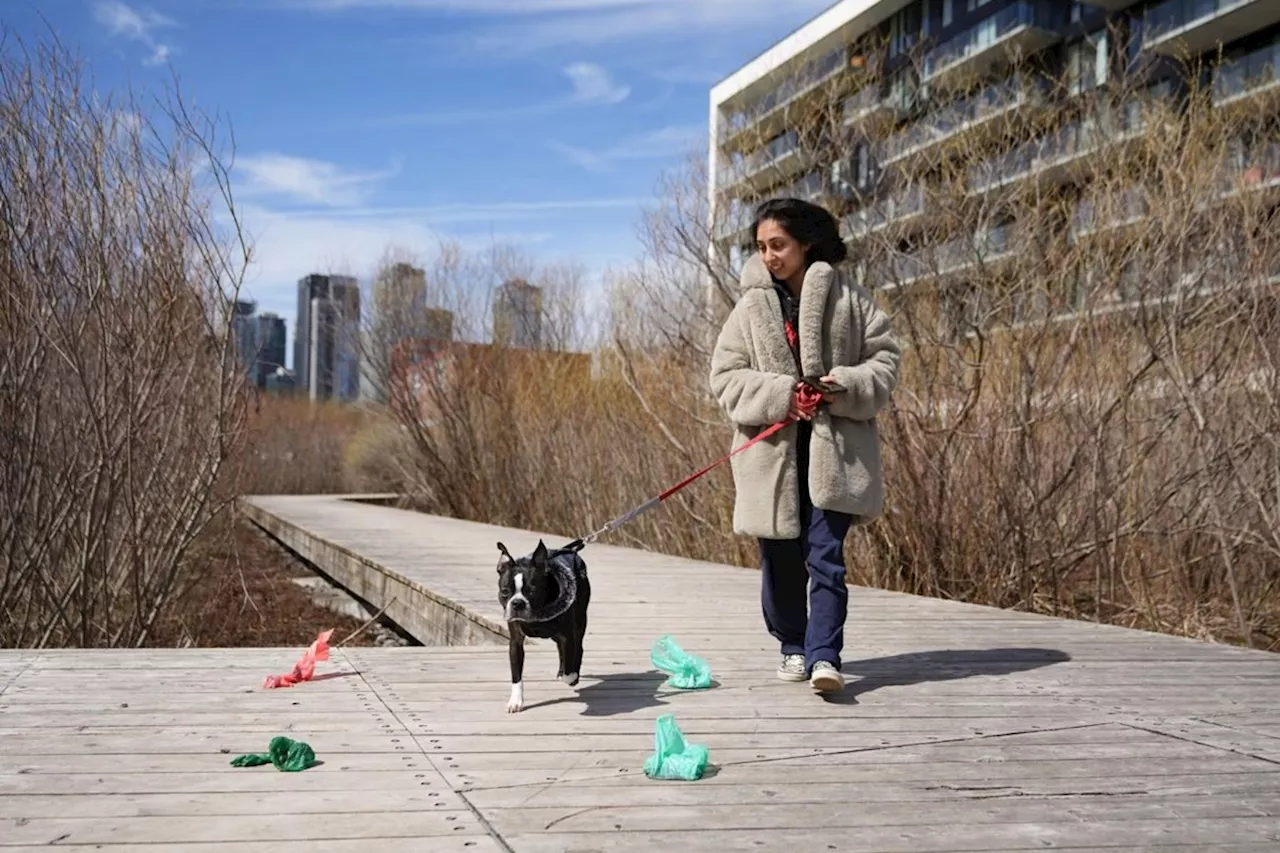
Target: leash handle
[[578, 544]]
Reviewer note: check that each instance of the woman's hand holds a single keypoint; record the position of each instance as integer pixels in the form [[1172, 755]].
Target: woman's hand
[[828, 380], [804, 402]]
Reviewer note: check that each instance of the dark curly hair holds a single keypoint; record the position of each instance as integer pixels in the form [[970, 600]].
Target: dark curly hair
[[810, 224]]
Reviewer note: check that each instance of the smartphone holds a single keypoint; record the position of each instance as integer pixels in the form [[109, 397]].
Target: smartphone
[[824, 387]]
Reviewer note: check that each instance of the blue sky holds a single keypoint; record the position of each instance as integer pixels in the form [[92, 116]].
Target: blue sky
[[365, 123]]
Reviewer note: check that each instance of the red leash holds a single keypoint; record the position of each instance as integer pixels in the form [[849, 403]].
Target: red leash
[[808, 396]]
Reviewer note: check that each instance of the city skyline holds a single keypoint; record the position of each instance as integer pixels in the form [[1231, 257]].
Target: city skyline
[[265, 340]]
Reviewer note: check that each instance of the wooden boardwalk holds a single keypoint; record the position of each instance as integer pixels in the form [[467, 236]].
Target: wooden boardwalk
[[963, 729]]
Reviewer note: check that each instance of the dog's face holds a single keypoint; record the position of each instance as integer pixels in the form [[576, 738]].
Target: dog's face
[[523, 584]]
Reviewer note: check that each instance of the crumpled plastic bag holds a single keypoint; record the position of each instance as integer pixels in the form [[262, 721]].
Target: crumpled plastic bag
[[687, 671], [288, 755], [673, 756], [305, 668]]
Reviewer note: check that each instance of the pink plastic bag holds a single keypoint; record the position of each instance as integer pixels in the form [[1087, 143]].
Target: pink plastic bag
[[305, 668]]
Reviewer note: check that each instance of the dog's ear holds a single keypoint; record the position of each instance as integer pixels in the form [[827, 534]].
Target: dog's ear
[[506, 554], [540, 555]]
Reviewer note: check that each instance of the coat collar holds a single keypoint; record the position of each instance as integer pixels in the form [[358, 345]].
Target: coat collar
[[814, 295]]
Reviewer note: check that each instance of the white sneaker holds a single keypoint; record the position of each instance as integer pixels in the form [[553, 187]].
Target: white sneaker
[[826, 678], [792, 668]]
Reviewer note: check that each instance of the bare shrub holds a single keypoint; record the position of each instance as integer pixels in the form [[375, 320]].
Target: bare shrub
[[120, 404], [297, 447]]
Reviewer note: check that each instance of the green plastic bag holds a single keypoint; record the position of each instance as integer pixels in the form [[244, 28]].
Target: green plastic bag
[[687, 671], [673, 757], [289, 756]]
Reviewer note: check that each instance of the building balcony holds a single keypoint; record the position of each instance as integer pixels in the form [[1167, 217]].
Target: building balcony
[[1110, 5], [779, 161], [1175, 27], [1095, 217], [1004, 38], [1252, 76], [768, 116], [739, 214], [1247, 173], [896, 211], [987, 249], [1056, 158], [873, 112], [967, 117], [735, 218]]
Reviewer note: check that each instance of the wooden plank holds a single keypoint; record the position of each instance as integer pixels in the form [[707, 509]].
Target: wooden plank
[[783, 774], [832, 813], [150, 742], [227, 804], [618, 791], [453, 843], [316, 826], [218, 778], [1245, 835]]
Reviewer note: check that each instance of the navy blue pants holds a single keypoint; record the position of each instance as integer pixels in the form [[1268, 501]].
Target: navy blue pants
[[803, 589]]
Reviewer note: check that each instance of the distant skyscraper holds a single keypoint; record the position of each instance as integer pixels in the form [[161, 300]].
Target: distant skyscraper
[[399, 292], [326, 356], [517, 315], [400, 319], [271, 337], [244, 334]]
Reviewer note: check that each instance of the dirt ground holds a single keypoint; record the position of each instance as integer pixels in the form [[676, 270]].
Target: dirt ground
[[244, 596]]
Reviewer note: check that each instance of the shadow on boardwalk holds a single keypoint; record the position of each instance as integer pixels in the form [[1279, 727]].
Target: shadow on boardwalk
[[627, 692], [612, 694], [942, 665]]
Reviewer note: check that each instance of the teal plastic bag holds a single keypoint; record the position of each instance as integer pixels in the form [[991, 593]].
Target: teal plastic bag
[[687, 671], [673, 757]]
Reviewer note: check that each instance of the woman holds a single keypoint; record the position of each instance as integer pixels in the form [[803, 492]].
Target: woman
[[799, 491]]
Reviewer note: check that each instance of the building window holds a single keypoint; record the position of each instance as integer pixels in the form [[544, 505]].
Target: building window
[[975, 5], [1087, 63], [862, 167], [904, 30], [1133, 50], [948, 12]]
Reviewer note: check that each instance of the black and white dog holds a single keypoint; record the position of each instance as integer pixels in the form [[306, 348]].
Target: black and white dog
[[544, 595]]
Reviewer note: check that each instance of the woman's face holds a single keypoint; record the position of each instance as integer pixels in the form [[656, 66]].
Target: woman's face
[[781, 253]]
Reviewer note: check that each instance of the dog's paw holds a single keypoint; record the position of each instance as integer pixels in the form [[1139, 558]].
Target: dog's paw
[[516, 703], [571, 679]]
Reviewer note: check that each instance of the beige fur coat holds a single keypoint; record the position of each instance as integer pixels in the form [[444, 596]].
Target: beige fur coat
[[842, 332]]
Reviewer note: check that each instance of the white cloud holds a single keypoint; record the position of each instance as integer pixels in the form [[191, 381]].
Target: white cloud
[[524, 25], [591, 85], [308, 181], [444, 214], [124, 21], [664, 142], [594, 85]]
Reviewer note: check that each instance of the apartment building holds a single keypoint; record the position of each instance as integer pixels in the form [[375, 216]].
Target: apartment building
[[858, 108]]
